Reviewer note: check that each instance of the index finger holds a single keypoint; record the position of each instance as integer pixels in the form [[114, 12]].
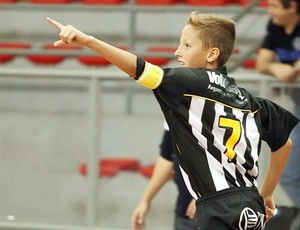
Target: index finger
[[55, 23]]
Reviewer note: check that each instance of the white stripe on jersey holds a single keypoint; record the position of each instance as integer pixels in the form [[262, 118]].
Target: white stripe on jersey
[[253, 133], [188, 183], [166, 127]]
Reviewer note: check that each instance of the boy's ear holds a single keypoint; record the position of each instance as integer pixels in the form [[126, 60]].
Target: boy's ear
[[213, 55]]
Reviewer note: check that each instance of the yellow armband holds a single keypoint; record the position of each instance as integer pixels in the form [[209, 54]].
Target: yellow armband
[[151, 76]]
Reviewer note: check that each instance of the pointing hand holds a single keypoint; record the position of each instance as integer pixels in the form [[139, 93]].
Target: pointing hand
[[68, 34]]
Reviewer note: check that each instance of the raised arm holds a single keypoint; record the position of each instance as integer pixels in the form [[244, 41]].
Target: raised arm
[[124, 60], [277, 163]]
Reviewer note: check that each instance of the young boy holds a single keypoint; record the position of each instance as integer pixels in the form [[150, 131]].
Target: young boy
[[215, 126]]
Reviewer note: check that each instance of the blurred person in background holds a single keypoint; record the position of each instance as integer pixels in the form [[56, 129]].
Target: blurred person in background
[[279, 56], [166, 167]]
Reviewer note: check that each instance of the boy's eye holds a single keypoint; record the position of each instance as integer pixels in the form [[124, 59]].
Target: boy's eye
[[187, 45]]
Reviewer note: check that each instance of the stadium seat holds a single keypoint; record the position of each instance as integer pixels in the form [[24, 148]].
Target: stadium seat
[[108, 171], [91, 60], [103, 2], [50, 1], [147, 170], [249, 64], [8, 1], [262, 3], [160, 61], [111, 166], [11, 45], [158, 2], [169, 49], [51, 59], [209, 2], [126, 164]]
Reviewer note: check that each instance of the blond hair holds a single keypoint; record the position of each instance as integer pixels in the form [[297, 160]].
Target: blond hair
[[215, 31]]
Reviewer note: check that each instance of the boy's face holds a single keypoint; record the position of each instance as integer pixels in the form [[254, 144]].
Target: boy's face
[[190, 52], [280, 15]]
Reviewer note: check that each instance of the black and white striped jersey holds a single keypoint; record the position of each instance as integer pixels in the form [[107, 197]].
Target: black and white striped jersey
[[216, 127]]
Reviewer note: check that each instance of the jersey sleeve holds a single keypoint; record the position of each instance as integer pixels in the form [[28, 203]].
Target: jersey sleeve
[[277, 124]]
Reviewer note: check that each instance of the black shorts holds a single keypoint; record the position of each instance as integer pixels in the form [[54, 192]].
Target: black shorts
[[231, 209]]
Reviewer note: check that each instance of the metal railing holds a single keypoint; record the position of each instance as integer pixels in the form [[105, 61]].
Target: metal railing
[[132, 9]]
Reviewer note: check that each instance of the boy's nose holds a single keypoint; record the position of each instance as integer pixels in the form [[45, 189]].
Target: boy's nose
[[177, 53]]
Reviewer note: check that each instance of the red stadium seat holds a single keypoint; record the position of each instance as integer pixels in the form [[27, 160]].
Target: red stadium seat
[[108, 171], [170, 49], [209, 2], [51, 59], [147, 170], [158, 2], [93, 60], [8, 1], [160, 61], [50, 1], [111, 166], [127, 164], [11, 45], [249, 64], [262, 3], [90, 60], [103, 2]]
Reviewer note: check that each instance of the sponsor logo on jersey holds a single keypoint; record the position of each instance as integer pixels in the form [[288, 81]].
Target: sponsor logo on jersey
[[217, 79], [219, 84]]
